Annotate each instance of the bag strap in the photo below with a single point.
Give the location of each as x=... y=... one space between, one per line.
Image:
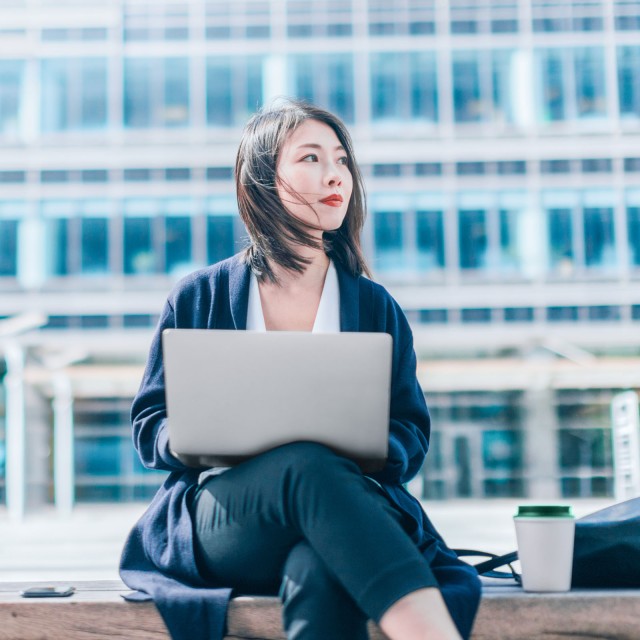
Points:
x=487 y=568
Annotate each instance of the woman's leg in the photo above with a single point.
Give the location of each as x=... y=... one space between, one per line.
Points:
x=316 y=606
x=249 y=518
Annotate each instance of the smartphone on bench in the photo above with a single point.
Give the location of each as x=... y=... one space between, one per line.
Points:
x=48 y=591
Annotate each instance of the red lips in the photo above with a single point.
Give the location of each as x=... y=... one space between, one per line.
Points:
x=334 y=200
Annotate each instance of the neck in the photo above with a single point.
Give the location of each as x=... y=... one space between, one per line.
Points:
x=313 y=274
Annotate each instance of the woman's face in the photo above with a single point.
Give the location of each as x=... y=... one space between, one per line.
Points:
x=313 y=179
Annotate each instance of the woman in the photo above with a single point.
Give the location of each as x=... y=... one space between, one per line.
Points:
x=339 y=547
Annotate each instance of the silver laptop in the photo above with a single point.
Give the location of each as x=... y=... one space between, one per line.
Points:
x=232 y=395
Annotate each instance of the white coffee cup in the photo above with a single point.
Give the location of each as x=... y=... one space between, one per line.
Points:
x=545 y=535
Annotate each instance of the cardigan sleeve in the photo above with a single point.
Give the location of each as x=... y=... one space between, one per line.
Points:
x=409 y=426
x=148 y=412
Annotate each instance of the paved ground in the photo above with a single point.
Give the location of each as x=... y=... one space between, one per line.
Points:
x=87 y=545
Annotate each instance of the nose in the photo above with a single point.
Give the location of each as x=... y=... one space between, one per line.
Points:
x=332 y=176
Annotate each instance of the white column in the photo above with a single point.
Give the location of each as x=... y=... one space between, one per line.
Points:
x=15 y=431
x=63 y=458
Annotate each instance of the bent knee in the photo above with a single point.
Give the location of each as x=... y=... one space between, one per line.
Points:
x=308 y=457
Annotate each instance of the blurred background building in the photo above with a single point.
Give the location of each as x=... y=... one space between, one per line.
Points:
x=500 y=141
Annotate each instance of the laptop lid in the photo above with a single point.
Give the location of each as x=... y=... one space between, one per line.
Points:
x=233 y=394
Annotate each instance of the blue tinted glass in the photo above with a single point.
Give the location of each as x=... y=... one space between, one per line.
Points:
x=633 y=227
x=219 y=92
x=467 y=99
x=254 y=88
x=99 y=456
x=8 y=247
x=138 y=97
x=430 y=240
x=590 y=82
x=55 y=88
x=388 y=240
x=139 y=256
x=386 y=87
x=552 y=85
x=178 y=243
x=629 y=81
x=325 y=80
x=220 y=243
x=510 y=241
x=424 y=86
x=94 y=245
x=472 y=229
x=502 y=450
x=599 y=242
x=304 y=84
x=504 y=92
x=340 y=81
x=57 y=246
x=176 y=92
x=11 y=74
x=561 y=239
x=74 y=94
x=94 y=93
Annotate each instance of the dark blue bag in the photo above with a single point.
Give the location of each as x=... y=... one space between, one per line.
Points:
x=606 y=553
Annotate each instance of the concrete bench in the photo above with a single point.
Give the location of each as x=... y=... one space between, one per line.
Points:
x=97 y=611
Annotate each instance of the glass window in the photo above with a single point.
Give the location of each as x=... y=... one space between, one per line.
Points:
x=561 y=240
x=404 y=86
x=468 y=103
x=518 y=314
x=475 y=315
x=139 y=255
x=388 y=240
x=220 y=237
x=590 y=82
x=504 y=90
x=562 y=314
x=177 y=243
x=552 y=79
x=11 y=95
x=176 y=93
x=156 y=92
x=94 y=244
x=234 y=89
x=58 y=244
x=8 y=247
x=502 y=450
x=599 y=238
x=433 y=316
x=629 y=81
x=424 y=86
x=510 y=241
x=74 y=94
x=604 y=313
x=555 y=166
x=430 y=240
x=473 y=244
x=633 y=230
x=325 y=80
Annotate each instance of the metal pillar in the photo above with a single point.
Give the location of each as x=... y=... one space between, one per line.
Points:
x=63 y=458
x=15 y=431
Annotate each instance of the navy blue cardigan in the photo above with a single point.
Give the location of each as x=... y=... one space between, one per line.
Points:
x=158 y=557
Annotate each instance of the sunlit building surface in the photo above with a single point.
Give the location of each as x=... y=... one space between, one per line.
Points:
x=501 y=147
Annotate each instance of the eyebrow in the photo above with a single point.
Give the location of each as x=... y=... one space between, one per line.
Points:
x=313 y=145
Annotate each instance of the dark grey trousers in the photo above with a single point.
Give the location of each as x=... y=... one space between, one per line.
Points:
x=304 y=522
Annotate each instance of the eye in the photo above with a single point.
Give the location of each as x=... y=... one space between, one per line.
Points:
x=312 y=157
x=344 y=160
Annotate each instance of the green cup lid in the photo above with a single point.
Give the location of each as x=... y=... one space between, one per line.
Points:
x=544 y=511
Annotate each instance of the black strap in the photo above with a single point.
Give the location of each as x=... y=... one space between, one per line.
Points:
x=487 y=568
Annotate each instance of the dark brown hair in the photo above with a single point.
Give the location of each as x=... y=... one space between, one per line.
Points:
x=273 y=231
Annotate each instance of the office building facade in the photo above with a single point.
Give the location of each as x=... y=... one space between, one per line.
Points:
x=500 y=145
